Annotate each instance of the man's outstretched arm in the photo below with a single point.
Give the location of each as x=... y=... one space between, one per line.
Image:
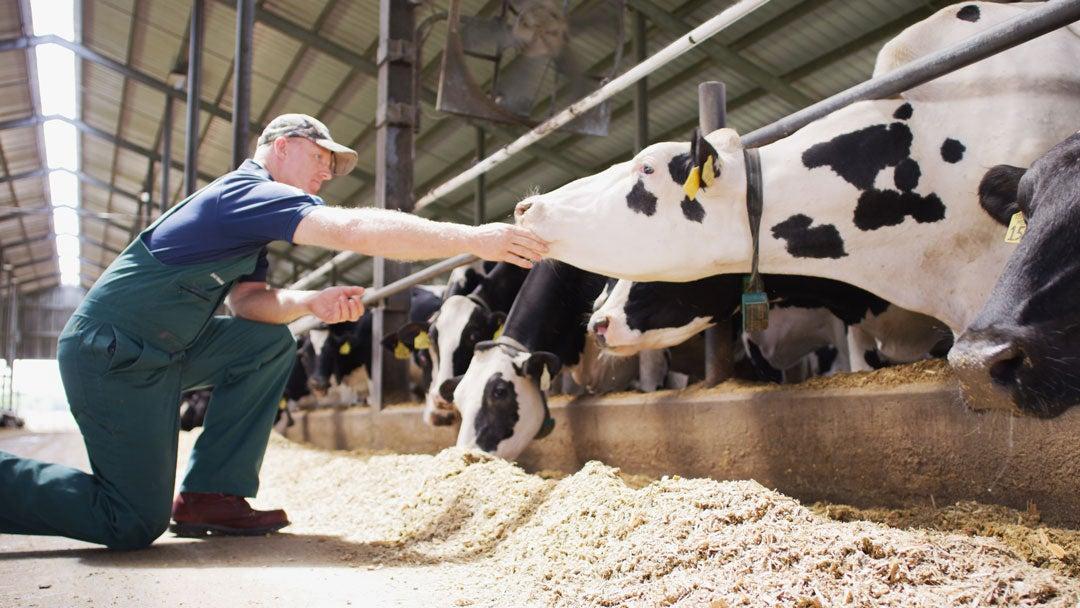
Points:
x=403 y=236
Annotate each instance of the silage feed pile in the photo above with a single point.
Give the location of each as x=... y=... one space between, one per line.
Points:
x=502 y=537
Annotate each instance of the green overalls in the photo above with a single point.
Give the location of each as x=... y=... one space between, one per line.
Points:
x=144 y=333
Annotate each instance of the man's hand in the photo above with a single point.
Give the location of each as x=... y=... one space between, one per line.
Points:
x=337 y=304
x=507 y=243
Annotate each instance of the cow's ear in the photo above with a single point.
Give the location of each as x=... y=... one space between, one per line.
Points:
x=997 y=192
x=498 y=319
x=542 y=367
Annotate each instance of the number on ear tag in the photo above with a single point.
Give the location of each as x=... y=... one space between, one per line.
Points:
x=345 y=349
x=422 y=341
x=401 y=351
x=755 y=311
x=1017 y=228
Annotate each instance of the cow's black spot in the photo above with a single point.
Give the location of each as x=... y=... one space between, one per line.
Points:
x=640 y=199
x=692 y=210
x=761 y=365
x=498 y=413
x=952 y=151
x=880 y=208
x=903 y=112
x=907 y=175
x=874 y=359
x=826 y=356
x=969 y=13
x=679 y=168
x=859 y=156
x=805 y=242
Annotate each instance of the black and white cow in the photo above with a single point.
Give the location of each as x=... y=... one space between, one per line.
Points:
x=462 y=321
x=1021 y=351
x=806 y=314
x=880 y=194
x=344 y=355
x=501 y=396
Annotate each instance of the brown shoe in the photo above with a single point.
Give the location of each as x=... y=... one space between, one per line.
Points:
x=196 y=514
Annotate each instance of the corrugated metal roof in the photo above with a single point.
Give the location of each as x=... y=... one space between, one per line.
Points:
x=800 y=41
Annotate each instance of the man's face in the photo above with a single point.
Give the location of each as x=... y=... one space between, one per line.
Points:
x=304 y=164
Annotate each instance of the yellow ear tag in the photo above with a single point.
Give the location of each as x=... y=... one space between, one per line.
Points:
x=693 y=183
x=498 y=332
x=545 y=380
x=1017 y=228
x=282 y=404
x=345 y=349
x=421 y=341
x=401 y=351
x=708 y=175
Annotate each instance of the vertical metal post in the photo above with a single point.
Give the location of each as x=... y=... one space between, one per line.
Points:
x=13 y=335
x=166 y=153
x=479 y=199
x=245 y=27
x=719 y=360
x=194 y=80
x=393 y=183
x=641 y=89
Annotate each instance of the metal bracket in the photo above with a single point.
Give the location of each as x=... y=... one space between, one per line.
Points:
x=396 y=51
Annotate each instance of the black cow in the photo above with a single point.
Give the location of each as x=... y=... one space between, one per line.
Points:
x=1021 y=350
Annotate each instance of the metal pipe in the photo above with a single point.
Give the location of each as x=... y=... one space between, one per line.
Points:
x=374 y=296
x=166 y=154
x=194 y=80
x=245 y=27
x=664 y=56
x=1018 y=30
x=719 y=359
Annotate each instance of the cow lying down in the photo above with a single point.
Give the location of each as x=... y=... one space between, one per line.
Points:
x=805 y=315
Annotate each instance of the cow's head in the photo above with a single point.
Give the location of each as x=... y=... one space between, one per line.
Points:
x=1021 y=351
x=501 y=398
x=653 y=315
x=346 y=346
x=449 y=339
x=654 y=218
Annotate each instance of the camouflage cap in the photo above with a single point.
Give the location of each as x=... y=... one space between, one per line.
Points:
x=302 y=125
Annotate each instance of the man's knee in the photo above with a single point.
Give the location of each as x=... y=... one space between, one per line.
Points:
x=132 y=533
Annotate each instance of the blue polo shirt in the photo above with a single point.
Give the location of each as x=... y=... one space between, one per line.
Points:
x=236 y=215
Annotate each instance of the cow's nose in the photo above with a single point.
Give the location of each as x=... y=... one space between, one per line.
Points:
x=600 y=326
x=446 y=389
x=989 y=368
x=522 y=207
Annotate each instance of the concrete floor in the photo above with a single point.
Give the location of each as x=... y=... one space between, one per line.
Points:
x=279 y=570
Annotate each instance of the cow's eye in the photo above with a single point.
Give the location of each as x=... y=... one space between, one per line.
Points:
x=647 y=169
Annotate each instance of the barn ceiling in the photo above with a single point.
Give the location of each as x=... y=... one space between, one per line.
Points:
x=317 y=57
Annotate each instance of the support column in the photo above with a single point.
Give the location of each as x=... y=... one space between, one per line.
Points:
x=245 y=29
x=719 y=359
x=166 y=154
x=393 y=184
x=480 y=196
x=194 y=81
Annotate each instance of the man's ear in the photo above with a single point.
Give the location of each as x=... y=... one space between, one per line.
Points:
x=280 y=146
x=997 y=192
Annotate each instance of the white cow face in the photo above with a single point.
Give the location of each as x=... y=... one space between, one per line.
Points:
x=650 y=228
x=628 y=323
x=455 y=330
x=500 y=399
